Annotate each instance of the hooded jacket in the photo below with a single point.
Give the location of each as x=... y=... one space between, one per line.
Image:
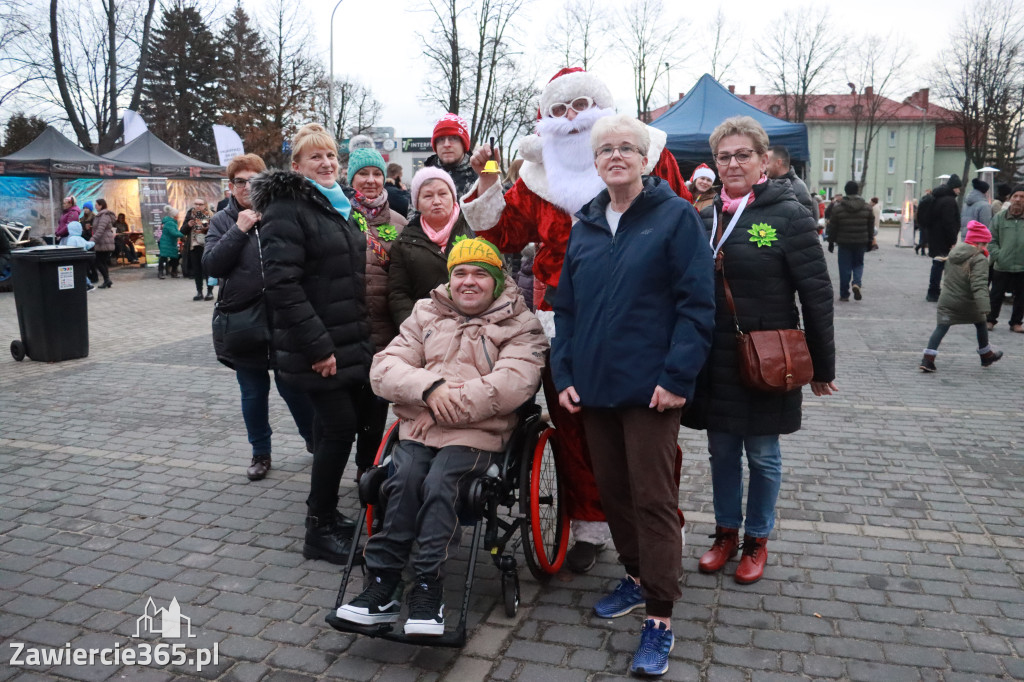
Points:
x=851 y=223
x=964 y=298
x=765 y=282
x=169 y=236
x=943 y=221
x=976 y=207
x=635 y=310
x=69 y=214
x=492 y=363
x=462 y=172
x=74 y=237
x=314 y=266
x=103 y=230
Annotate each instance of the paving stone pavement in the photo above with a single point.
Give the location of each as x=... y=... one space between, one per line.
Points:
x=898 y=552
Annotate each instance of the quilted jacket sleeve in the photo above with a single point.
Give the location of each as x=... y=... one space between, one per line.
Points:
x=806 y=263
x=397 y=372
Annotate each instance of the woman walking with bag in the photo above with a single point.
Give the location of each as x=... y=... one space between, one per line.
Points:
x=766 y=245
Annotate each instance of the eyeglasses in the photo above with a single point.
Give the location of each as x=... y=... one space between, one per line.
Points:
x=624 y=150
x=743 y=157
x=240 y=182
x=579 y=105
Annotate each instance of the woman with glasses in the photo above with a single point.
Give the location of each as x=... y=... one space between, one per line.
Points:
x=766 y=245
x=634 y=313
x=195 y=227
x=233 y=254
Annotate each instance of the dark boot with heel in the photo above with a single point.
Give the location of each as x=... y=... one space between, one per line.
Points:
x=991 y=357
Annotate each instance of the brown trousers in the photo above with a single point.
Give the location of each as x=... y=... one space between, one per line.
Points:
x=633 y=452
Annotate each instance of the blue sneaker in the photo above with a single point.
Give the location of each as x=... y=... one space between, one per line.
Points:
x=651 y=657
x=626 y=597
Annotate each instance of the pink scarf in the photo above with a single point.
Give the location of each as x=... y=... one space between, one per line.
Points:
x=440 y=237
x=730 y=205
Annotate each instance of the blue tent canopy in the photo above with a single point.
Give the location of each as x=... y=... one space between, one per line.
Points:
x=690 y=121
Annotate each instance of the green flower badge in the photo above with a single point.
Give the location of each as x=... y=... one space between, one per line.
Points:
x=387 y=233
x=360 y=220
x=762 y=234
x=459 y=239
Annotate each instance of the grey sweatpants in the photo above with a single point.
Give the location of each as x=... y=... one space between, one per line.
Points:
x=424 y=494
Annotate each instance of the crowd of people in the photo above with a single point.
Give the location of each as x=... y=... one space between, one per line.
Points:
x=365 y=306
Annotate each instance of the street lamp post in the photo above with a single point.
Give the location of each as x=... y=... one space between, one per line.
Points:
x=330 y=83
x=668 y=82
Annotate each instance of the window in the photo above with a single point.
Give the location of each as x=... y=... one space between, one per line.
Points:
x=828 y=165
x=892 y=165
x=892 y=138
x=830 y=109
x=775 y=109
x=888 y=195
x=858 y=170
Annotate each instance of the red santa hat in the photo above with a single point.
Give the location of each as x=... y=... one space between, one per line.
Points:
x=703 y=171
x=570 y=83
x=451 y=124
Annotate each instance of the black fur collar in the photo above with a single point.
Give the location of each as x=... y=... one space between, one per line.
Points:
x=275 y=184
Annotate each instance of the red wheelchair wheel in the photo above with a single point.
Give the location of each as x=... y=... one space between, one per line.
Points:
x=546 y=539
x=387 y=442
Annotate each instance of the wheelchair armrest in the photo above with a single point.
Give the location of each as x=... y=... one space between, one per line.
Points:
x=370 y=484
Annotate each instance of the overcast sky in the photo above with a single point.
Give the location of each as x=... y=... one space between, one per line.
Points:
x=376 y=42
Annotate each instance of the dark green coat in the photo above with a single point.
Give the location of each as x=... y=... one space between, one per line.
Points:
x=418 y=266
x=964 y=297
x=1007 y=247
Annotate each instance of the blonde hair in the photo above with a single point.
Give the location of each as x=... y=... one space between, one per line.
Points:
x=740 y=125
x=621 y=123
x=312 y=135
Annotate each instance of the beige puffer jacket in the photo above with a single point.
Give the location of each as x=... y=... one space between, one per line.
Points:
x=378 y=260
x=491 y=363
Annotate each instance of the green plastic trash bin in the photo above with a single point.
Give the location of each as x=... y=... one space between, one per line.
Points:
x=50 y=297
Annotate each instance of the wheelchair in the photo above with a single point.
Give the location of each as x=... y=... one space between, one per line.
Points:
x=524 y=482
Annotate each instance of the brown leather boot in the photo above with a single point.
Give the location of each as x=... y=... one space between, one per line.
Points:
x=727 y=540
x=755 y=556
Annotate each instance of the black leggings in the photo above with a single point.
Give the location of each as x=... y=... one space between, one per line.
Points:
x=103 y=264
x=334 y=429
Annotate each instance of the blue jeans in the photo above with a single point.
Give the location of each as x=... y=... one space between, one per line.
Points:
x=255 y=387
x=764 y=460
x=851 y=261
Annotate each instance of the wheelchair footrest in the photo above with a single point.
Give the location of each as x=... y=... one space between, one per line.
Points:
x=451 y=638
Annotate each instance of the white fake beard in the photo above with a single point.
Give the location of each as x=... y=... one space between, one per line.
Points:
x=569 y=159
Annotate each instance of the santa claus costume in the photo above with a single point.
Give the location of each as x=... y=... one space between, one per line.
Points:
x=556 y=179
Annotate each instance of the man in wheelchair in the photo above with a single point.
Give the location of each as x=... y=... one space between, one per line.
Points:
x=466 y=358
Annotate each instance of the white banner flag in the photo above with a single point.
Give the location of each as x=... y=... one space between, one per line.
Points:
x=229 y=144
x=134 y=125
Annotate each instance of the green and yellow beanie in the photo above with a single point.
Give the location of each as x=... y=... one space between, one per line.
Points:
x=481 y=253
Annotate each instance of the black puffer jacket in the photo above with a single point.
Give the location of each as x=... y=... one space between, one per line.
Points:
x=852 y=223
x=943 y=222
x=314 y=263
x=764 y=281
x=233 y=257
x=462 y=173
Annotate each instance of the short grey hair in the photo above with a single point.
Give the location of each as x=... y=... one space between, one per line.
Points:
x=622 y=123
x=740 y=125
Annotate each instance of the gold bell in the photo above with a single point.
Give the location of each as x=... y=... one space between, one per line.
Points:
x=491 y=167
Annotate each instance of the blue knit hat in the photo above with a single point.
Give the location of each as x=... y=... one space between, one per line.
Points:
x=88 y=205
x=361 y=158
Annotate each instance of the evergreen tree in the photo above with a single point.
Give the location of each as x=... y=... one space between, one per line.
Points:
x=181 y=90
x=19 y=131
x=245 y=68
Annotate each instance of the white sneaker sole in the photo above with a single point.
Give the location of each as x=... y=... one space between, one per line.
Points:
x=424 y=628
x=362 y=618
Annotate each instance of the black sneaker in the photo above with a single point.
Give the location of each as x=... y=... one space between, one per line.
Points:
x=426 y=609
x=380 y=602
x=582 y=556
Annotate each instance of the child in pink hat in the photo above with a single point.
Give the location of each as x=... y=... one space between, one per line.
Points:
x=964 y=298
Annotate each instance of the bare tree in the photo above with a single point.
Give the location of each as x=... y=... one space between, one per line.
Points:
x=514 y=115
x=356 y=110
x=723 y=40
x=982 y=77
x=96 y=59
x=650 y=48
x=579 y=33
x=876 y=64
x=295 y=75
x=445 y=54
x=798 y=57
x=16 y=26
